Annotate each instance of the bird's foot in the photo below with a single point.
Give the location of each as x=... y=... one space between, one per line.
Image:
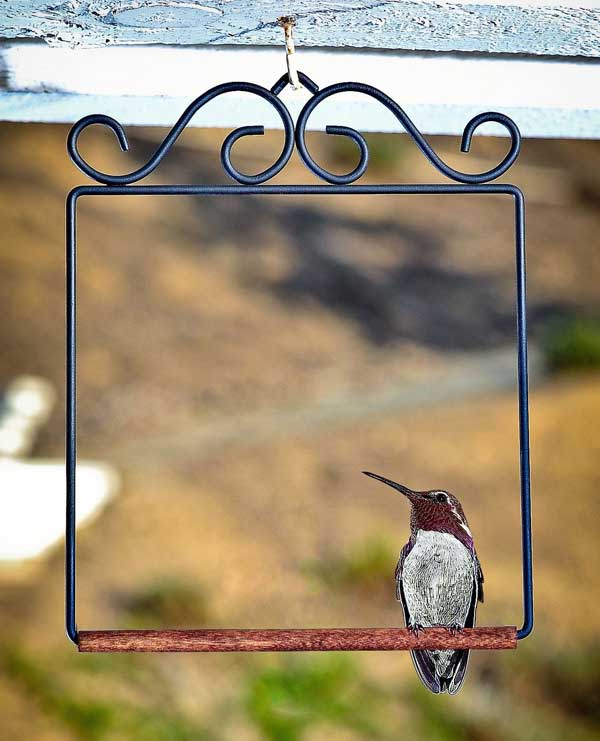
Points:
x=454 y=628
x=415 y=629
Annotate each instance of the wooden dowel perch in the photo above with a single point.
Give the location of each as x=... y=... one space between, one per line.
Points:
x=333 y=639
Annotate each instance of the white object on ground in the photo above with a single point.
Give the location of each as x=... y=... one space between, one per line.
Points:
x=25 y=406
x=32 y=503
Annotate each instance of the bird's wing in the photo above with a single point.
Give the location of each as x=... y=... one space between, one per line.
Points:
x=398 y=575
x=480 y=578
x=399 y=566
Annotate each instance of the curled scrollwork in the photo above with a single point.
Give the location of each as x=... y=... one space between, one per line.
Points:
x=411 y=129
x=298 y=135
x=169 y=140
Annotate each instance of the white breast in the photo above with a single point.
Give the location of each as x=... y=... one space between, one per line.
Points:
x=438 y=579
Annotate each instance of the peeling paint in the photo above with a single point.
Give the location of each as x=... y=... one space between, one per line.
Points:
x=569 y=28
x=156 y=16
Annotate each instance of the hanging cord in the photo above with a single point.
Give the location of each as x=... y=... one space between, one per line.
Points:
x=287 y=22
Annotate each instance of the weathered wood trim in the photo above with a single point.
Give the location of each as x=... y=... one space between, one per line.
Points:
x=567 y=28
x=440 y=92
x=334 y=639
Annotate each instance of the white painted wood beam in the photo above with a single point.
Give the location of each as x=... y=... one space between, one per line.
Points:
x=563 y=28
x=152 y=86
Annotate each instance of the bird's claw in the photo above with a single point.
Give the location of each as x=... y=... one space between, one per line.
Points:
x=415 y=629
x=454 y=629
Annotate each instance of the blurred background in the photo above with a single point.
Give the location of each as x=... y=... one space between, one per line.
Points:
x=241 y=360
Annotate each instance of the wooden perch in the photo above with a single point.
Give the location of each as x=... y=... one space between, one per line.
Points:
x=316 y=639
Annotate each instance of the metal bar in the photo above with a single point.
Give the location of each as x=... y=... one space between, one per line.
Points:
x=522 y=370
x=316 y=639
x=71 y=414
x=298 y=190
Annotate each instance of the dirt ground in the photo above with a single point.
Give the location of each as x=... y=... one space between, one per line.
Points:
x=230 y=354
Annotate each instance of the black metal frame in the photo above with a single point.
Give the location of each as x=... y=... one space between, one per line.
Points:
x=465 y=183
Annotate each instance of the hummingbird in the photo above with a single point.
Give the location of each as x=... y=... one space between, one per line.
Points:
x=438 y=581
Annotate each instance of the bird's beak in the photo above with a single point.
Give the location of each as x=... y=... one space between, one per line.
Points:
x=399 y=487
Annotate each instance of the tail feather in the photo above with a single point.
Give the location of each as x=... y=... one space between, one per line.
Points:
x=425 y=668
x=459 y=671
x=441 y=676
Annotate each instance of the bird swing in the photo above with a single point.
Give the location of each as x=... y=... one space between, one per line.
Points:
x=127 y=185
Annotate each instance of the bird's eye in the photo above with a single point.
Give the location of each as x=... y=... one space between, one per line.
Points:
x=441 y=497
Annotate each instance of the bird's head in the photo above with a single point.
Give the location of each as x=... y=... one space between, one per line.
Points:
x=436 y=509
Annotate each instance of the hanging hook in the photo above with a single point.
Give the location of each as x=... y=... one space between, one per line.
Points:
x=287 y=22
